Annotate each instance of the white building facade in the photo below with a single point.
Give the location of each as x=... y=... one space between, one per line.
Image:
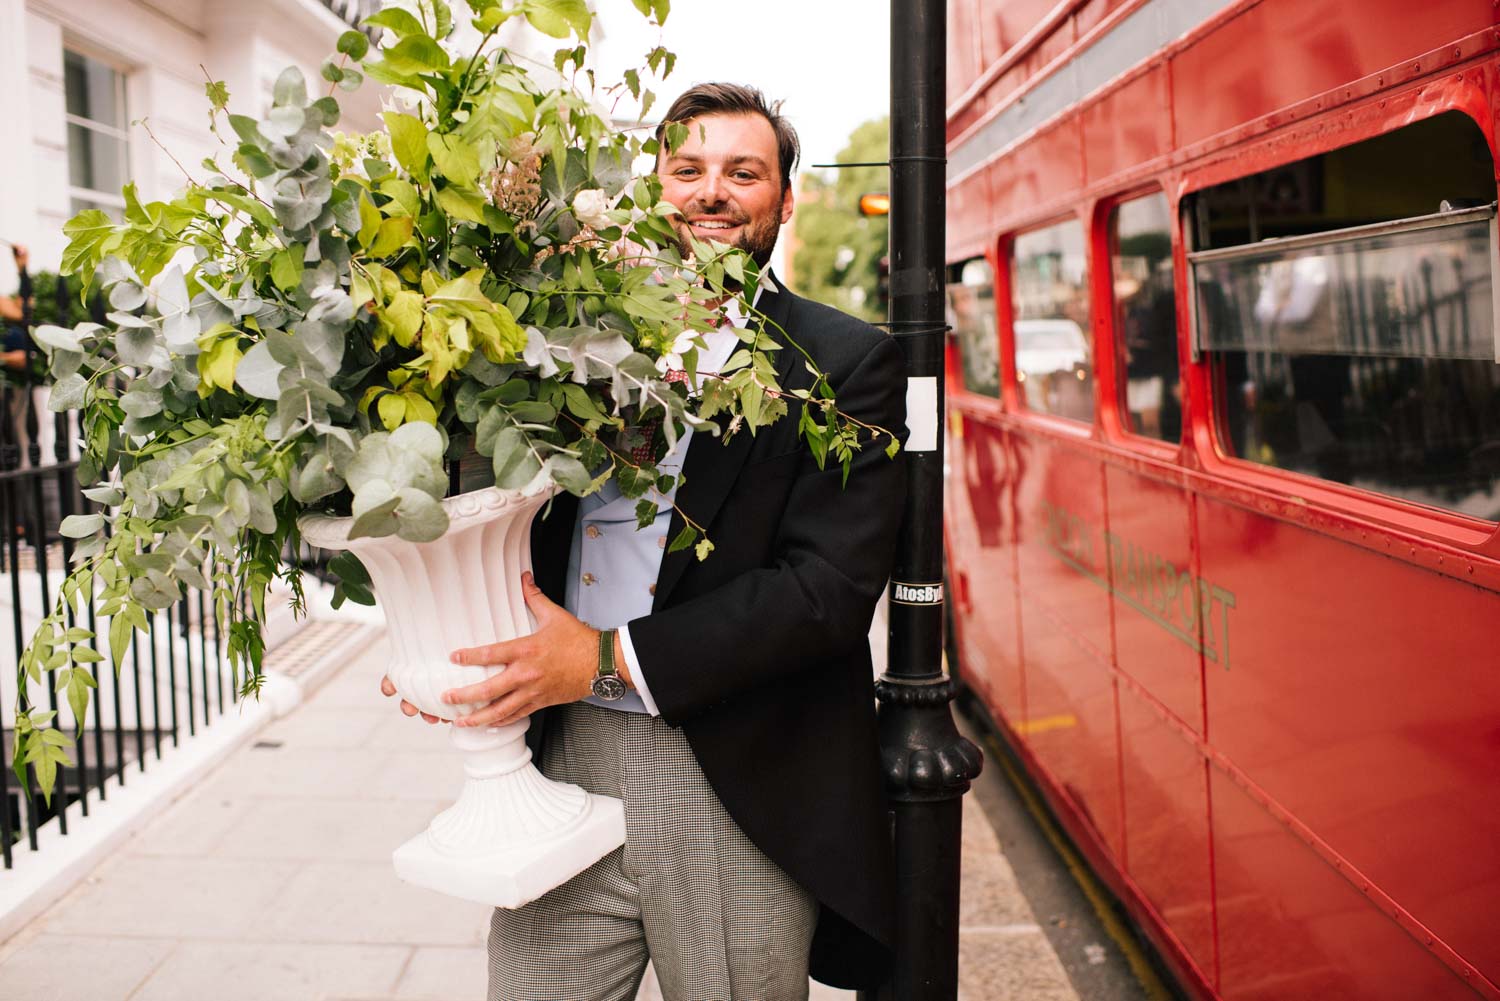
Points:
x=78 y=73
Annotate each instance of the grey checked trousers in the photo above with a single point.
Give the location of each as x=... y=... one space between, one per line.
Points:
x=687 y=890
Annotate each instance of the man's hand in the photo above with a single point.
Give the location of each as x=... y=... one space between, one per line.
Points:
x=554 y=665
x=388 y=688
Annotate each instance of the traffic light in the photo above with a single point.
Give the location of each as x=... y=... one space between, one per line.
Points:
x=875 y=203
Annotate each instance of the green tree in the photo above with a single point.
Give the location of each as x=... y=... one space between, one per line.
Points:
x=838 y=250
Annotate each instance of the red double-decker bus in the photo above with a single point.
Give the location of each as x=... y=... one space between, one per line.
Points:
x=1224 y=450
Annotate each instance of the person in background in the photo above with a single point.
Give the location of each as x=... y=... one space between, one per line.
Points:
x=15 y=310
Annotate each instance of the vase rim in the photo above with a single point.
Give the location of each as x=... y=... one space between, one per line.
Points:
x=328 y=531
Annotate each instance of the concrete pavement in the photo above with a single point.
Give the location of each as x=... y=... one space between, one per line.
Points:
x=271 y=881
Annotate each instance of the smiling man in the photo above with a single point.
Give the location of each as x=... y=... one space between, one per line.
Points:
x=742 y=740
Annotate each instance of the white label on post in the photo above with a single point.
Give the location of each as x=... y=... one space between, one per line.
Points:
x=922 y=413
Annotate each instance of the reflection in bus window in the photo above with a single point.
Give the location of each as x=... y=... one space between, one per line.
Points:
x=1054 y=363
x=1369 y=361
x=971 y=314
x=1146 y=316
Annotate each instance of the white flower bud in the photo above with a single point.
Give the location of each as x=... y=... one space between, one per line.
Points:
x=591 y=206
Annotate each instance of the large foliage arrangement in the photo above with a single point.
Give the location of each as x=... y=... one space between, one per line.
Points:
x=324 y=321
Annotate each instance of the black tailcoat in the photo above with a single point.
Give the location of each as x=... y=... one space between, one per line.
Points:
x=760 y=654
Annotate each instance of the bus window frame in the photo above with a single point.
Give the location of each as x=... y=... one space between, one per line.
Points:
x=953 y=362
x=1117 y=422
x=1290 y=487
x=1010 y=388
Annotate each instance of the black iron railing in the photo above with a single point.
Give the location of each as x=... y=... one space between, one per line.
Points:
x=170 y=683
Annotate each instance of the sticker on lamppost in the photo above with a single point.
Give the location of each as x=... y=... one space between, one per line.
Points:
x=916 y=594
x=922 y=413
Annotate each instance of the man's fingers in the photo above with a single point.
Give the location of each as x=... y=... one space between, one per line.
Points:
x=387 y=687
x=496 y=686
x=541 y=606
x=490 y=653
x=500 y=711
x=408 y=708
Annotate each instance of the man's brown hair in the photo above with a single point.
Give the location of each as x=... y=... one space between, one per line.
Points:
x=736 y=99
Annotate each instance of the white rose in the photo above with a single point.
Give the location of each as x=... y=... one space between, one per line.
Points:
x=590 y=207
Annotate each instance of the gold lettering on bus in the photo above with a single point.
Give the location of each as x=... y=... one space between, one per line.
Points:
x=1193 y=609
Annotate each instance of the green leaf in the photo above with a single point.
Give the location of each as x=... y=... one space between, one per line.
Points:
x=290 y=88
x=417 y=54
x=645 y=513
x=81 y=526
x=516 y=464
x=455 y=159
x=556 y=17
x=460 y=204
x=218 y=94
x=392 y=235
x=684 y=539
x=286 y=267
x=354 y=44
x=408 y=142
x=397 y=20
x=702 y=550
x=79 y=683
x=369 y=221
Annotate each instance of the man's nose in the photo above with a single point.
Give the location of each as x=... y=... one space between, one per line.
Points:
x=712 y=190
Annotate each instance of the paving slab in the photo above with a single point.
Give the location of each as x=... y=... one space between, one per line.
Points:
x=270 y=880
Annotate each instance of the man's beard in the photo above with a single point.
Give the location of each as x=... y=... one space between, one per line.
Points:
x=757 y=239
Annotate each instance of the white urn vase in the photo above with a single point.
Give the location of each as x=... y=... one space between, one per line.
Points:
x=513 y=834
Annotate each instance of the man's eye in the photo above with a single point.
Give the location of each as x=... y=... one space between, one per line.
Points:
x=685 y=172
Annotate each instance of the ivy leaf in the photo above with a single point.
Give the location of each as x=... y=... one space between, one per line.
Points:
x=218 y=95
x=702 y=550
x=683 y=539
x=645 y=513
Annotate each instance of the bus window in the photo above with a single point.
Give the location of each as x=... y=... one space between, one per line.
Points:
x=1150 y=389
x=1365 y=354
x=1054 y=361
x=971 y=314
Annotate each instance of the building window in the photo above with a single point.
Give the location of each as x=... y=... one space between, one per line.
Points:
x=1050 y=296
x=1351 y=340
x=95 y=105
x=1140 y=238
x=971 y=313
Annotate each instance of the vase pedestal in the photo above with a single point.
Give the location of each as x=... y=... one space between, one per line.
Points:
x=513 y=834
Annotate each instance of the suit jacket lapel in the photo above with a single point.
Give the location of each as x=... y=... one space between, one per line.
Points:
x=712 y=464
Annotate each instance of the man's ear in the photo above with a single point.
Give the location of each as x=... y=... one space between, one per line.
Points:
x=786 y=204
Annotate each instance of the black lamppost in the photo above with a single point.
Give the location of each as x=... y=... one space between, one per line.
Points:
x=928 y=765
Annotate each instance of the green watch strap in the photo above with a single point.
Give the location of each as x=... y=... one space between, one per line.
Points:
x=606 y=652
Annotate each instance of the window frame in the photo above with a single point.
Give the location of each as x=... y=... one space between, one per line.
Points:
x=1346 y=503
x=1011 y=391
x=94 y=197
x=1118 y=421
x=959 y=382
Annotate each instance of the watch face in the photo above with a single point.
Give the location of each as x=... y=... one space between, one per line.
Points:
x=609 y=687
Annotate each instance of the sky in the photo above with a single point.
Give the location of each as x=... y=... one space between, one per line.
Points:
x=828 y=60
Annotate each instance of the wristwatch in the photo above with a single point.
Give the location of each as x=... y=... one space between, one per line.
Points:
x=607 y=684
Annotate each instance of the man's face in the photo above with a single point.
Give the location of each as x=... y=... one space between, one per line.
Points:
x=726 y=179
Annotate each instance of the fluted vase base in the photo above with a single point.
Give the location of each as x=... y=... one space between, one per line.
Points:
x=513 y=834
x=517 y=874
